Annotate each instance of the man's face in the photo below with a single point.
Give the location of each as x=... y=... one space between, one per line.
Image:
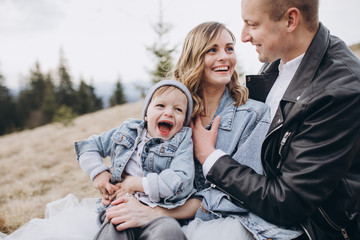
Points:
x=268 y=36
x=166 y=114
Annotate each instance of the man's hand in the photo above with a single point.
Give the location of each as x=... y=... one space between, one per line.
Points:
x=204 y=140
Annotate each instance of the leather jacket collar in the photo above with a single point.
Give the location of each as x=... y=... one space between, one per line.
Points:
x=260 y=85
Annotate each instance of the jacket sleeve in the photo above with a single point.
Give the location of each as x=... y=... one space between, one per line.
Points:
x=92 y=164
x=251 y=137
x=96 y=143
x=91 y=151
x=178 y=177
x=321 y=151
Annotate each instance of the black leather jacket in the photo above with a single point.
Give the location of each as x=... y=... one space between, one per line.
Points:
x=311 y=154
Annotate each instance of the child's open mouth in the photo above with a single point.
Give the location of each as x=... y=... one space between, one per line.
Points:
x=165 y=127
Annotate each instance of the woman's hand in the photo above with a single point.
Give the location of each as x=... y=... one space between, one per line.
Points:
x=204 y=140
x=128 y=212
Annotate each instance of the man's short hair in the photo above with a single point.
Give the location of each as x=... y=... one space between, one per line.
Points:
x=309 y=9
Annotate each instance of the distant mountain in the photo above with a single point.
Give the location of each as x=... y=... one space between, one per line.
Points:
x=131 y=90
x=104 y=90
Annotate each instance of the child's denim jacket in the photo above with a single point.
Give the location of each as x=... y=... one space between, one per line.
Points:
x=170 y=160
x=241 y=132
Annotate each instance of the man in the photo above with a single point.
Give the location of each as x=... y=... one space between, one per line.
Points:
x=311 y=154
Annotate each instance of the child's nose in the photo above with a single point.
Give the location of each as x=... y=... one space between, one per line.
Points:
x=168 y=112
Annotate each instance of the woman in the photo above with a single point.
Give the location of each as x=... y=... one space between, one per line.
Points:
x=207 y=67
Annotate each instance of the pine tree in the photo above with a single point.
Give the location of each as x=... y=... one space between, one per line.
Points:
x=65 y=93
x=160 y=50
x=31 y=98
x=49 y=104
x=8 y=117
x=87 y=101
x=37 y=87
x=118 y=96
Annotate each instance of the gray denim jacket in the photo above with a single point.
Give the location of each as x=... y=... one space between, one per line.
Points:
x=241 y=133
x=170 y=160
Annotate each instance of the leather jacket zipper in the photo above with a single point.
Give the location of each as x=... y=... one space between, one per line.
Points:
x=282 y=143
x=305 y=231
x=267 y=135
x=333 y=225
x=215 y=186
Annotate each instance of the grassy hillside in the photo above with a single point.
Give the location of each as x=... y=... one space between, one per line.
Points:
x=39 y=166
x=356 y=49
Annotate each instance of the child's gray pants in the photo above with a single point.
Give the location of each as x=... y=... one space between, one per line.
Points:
x=161 y=228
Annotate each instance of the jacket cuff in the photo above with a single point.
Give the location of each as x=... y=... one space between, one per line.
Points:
x=211 y=160
x=98 y=170
x=153 y=187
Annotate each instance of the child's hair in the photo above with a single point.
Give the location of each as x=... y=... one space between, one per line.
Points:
x=164 y=89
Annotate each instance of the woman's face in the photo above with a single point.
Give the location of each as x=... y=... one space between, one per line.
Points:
x=219 y=61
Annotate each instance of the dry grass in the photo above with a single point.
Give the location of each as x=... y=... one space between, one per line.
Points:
x=356 y=49
x=39 y=166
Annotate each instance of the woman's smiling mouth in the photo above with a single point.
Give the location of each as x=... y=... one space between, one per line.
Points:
x=221 y=69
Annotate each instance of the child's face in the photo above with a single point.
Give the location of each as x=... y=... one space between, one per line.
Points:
x=166 y=113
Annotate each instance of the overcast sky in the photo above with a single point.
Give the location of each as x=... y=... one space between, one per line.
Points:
x=103 y=40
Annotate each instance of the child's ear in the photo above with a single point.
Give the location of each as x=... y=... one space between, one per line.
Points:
x=145 y=118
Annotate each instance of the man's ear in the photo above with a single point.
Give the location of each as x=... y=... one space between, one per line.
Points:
x=293 y=18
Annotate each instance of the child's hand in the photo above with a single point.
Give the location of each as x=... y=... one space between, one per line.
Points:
x=129 y=185
x=102 y=183
x=117 y=194
x=106 y=201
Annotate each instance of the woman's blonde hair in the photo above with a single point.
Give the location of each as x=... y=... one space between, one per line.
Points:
x=190 y=66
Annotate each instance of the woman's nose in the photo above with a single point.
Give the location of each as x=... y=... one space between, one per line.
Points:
x=222 y=55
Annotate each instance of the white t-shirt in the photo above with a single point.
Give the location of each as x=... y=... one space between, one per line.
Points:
x=286 y=73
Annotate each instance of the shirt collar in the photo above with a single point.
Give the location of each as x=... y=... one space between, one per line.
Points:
x=290 y=66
